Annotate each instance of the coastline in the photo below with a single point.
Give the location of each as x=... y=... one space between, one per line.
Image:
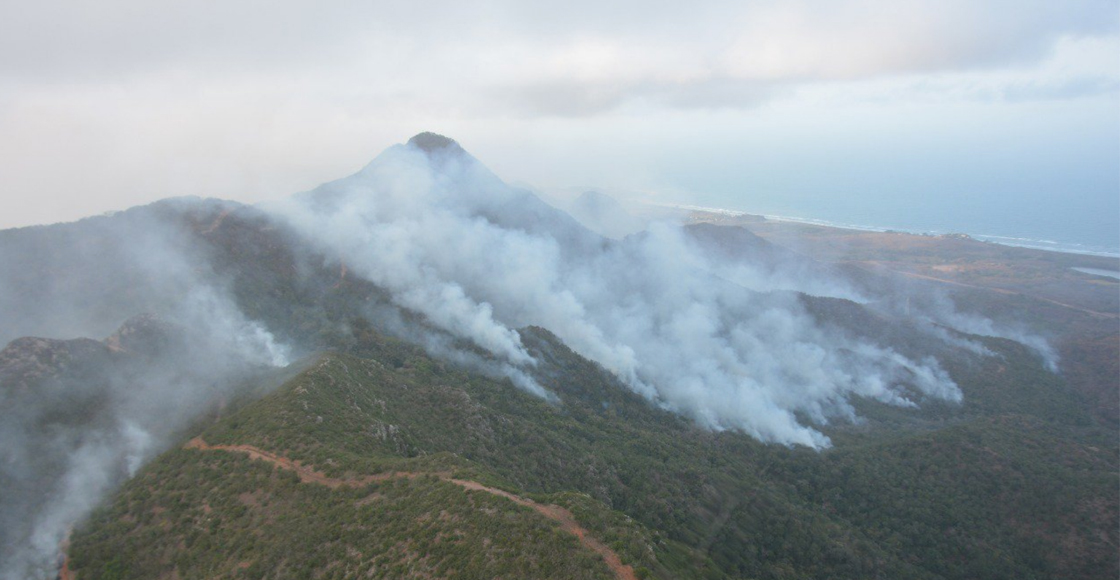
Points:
x=1015 y=242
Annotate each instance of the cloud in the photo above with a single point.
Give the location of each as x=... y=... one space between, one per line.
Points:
x=247 y=100
x=640 y=49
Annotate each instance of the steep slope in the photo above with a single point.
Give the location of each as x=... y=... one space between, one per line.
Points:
x=269 y=523
x=78 y=417
x=430 y=515
x=703 y=504
x=54 y=395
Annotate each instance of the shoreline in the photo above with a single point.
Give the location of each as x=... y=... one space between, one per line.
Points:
x=1027 y=243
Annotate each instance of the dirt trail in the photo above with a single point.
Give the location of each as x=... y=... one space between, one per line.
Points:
x=308 y=475
x=564 y=517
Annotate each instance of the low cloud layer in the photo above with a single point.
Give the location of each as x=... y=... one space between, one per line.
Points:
x=634 y=44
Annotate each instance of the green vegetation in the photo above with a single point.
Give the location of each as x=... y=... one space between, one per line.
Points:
x=221 y=515
x=1016 y=483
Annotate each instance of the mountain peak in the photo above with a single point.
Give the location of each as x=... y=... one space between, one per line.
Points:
x=432 y=142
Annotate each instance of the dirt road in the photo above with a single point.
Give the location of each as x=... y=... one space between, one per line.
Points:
x=308 y=475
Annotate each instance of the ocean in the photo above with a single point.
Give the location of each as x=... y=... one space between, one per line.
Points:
x=1057 y=235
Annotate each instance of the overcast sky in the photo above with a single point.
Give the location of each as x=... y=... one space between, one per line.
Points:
x=766 y=106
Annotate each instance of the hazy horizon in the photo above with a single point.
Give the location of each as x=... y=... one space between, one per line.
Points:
x=991 y=118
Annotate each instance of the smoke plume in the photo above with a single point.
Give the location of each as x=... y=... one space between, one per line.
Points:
x=479 y=259
x=727 y=342
x=79 y=416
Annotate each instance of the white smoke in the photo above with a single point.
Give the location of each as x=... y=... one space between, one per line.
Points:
x=940 y=313
x=449 y=240
x=209 y=312
x=725 y=343
x=68 y=442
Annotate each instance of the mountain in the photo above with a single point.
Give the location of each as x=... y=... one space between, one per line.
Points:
x=451 y=179
x=420 y=371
